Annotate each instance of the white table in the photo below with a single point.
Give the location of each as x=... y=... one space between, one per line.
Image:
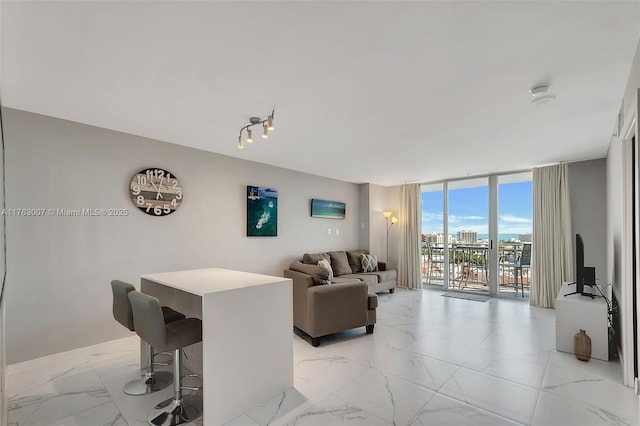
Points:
x=577 y=312
x=246 y=354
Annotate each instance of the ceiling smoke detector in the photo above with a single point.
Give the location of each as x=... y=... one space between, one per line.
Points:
x=540 y=95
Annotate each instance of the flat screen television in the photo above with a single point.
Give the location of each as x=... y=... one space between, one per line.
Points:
x=580 y=272
x=579 y=264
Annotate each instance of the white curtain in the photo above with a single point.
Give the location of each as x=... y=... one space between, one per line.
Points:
x=409 y=270
x=552 y=257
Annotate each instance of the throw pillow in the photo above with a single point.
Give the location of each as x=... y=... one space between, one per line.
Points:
x=369 y=263
x=339 y=263
x=318 y=274
x=326 y=265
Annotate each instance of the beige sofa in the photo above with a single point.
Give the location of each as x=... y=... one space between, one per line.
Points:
x=347 y=266
x=322 y=306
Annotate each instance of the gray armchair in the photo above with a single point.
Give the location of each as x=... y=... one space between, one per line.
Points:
x=319 y=310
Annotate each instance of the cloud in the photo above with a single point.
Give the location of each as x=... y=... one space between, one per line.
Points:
x=514 y=219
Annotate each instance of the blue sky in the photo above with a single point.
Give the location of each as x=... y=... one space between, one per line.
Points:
x=469 y=209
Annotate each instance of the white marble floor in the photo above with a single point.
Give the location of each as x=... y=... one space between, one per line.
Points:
x=432 y=360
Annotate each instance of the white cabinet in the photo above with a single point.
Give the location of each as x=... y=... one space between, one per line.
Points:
x=577 y=312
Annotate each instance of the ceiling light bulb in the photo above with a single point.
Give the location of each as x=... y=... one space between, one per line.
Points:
x=249 y=136
x=240 y=143
x=265 y=132
x=270 y=125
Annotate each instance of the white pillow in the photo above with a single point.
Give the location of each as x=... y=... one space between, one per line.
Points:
x=369 y=262
x=324 y=263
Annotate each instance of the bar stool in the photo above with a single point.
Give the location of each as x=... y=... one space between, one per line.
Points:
x=151 y=381
x=147 y=317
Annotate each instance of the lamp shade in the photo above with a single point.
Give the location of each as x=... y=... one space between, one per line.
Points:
x=387 y=214
x=394 y=220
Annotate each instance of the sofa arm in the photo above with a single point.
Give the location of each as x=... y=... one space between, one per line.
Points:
x=301 y=283
x=336 y=307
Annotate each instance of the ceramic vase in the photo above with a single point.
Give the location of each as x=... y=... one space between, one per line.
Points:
x=582 y=346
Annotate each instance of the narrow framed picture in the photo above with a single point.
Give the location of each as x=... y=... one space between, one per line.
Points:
x=262 y=212
x=328 y=209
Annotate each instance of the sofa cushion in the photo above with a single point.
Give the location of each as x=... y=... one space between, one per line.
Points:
x=339 y=263
x=372 y=301
x=343 y=280
x=354 y=260
x=318 y=274
x=369 y=278
x=382 y=276
x=369 y=263
x=312 y=258
x=326 y=265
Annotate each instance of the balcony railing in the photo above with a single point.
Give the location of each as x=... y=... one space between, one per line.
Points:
x=468 y=266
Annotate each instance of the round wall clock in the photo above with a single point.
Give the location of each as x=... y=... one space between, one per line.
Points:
x=156 y=191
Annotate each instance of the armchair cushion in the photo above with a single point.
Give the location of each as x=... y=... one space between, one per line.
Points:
x=372 y=301
x=339 y=263
x=318 y=274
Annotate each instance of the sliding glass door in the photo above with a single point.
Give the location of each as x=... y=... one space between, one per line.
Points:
x=468 y=226
x=515 y=207
x=477 y=234
x=433 y=235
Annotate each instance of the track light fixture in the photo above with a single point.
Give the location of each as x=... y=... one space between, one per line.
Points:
x=267 y=125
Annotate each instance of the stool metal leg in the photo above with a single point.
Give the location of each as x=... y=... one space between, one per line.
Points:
x=177 y=412
x=151 y=381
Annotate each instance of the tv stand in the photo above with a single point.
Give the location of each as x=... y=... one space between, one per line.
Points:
x=582 y=294
x=575 y=313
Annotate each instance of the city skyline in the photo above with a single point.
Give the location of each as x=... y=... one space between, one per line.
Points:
x=469 y=209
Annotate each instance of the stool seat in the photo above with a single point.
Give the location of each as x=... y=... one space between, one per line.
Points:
x=170 y=315
x=183 y=333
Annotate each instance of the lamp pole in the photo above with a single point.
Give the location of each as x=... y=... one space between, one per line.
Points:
x=387 y=215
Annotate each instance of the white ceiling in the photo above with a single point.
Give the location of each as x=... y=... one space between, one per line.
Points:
x=381 y=92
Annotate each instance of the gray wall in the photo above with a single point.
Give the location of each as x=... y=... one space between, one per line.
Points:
x=59 y=268
x=588 y=195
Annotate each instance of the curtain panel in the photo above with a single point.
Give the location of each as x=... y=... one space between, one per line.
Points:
x=410 y=220
x=552 y=256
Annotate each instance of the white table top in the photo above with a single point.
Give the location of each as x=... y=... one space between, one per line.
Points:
x=211 y=280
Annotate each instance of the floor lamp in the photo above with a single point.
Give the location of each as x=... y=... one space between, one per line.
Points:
x=388 y=215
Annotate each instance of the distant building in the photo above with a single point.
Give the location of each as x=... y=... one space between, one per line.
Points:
x=440 y=239
x=468 y=236
x=525 y=238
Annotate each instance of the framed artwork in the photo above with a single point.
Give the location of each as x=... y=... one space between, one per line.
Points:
x=262 y=212
x=328 y=209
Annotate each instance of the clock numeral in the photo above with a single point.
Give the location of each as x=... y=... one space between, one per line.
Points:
x=140 y=200
x=174 y=203
x=175 y=183
x=157 y=210
x=136 y=190
x=179 y=195
x=167 y=209
x=142 y=180
x=159 y=173
x=149 y=205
